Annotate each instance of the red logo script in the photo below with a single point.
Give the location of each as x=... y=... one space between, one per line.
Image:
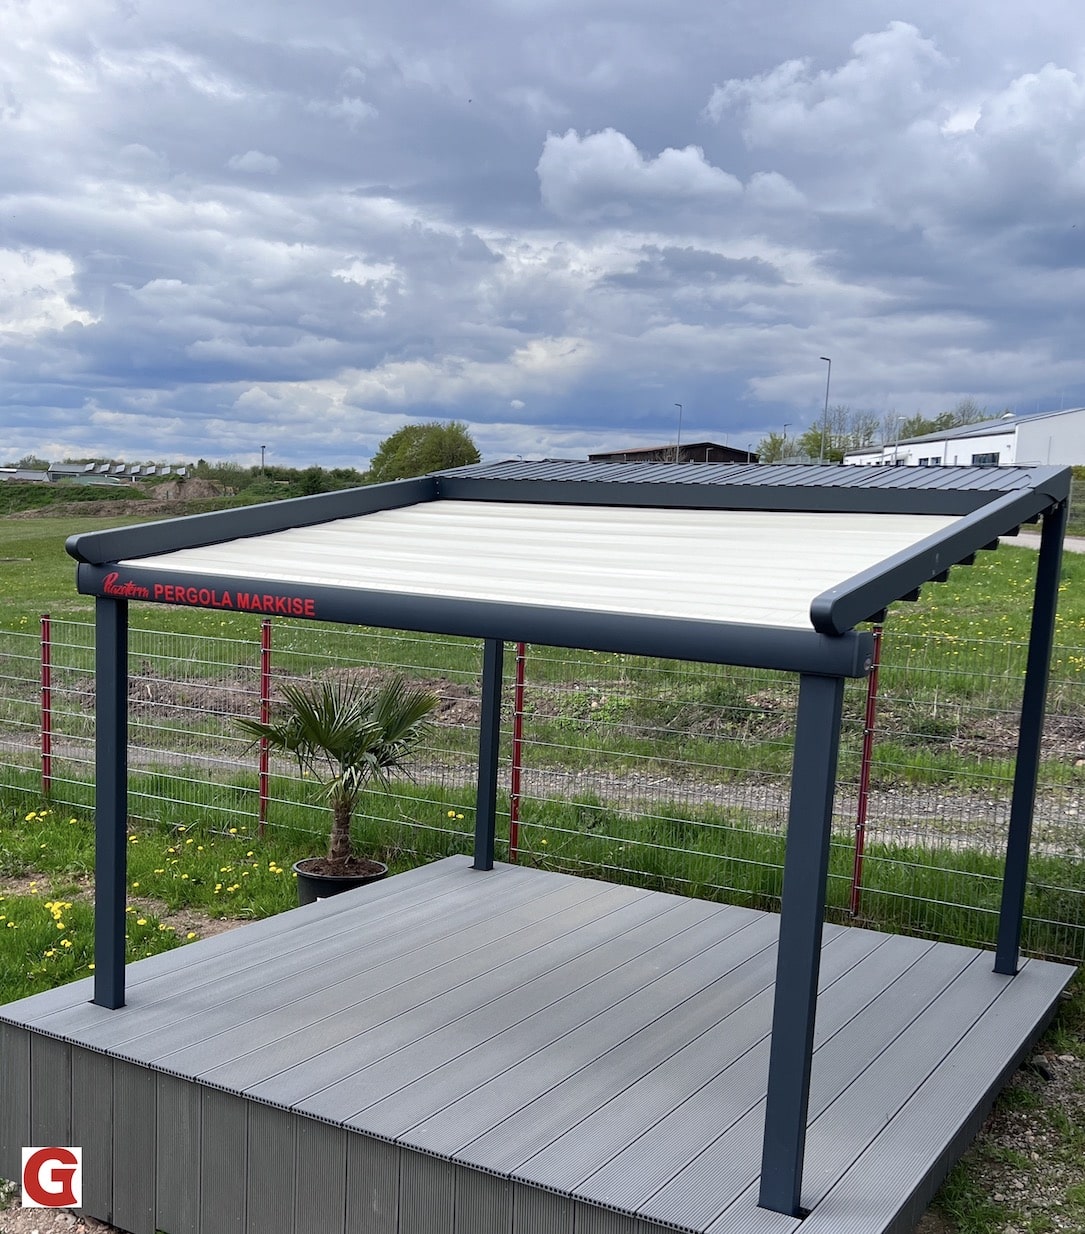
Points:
x=52 y=1177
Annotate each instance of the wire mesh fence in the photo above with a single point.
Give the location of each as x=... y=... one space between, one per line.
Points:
x=673 y=774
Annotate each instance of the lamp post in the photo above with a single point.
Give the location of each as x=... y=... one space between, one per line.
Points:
x=262 y=449
x=896 y=437
x=783 y=447
x=678 y=444
x=825 y=419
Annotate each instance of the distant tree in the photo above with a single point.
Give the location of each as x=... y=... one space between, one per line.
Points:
x=312 y=481
x=774 y=447
x=966 y=411
x=31 y=462
x=417 y=449
x=346 y=477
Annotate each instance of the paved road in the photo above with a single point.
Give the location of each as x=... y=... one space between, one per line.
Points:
x=1031 y=539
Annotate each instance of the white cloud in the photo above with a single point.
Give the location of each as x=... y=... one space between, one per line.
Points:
x=36 y=293
x=256 y=162
x=883 y=84
x=351 y=109
x=605 y=175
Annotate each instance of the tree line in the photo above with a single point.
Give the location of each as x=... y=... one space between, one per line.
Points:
x=846 y=429
x=412 y=450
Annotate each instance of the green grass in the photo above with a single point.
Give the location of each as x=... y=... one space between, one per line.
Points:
x=16 y=498
x=187 y=855
x=1054 y=1173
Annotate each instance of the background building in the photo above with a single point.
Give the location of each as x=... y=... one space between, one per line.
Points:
x=691 y=452
x=1053 y=437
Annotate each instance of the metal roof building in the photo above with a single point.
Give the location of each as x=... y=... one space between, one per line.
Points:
x=1054 y=437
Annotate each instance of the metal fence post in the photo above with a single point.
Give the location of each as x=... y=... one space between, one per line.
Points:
x=864 y=772
x=265 y=718
x=517 y=753
x=46 y=706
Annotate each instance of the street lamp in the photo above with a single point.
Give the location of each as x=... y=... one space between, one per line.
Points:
x=678 y=444
x=825 y=421
x=898 y=421
x=262 y=449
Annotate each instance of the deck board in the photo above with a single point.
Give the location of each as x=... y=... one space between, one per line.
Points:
x=527 y=1049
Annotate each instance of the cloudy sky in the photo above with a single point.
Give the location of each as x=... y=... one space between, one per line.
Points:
x=304 y=225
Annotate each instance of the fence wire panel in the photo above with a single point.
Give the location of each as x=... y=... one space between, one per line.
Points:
x=20 y=710
x=187 y=756
x=941 y=787
x=672 y=774
x=427 y=813
x=667 y=771
x=72 y=665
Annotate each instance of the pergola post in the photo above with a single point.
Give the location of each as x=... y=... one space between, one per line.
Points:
x=110 y=799
x=489 y=742
x=1029 y=737
x=798 y=962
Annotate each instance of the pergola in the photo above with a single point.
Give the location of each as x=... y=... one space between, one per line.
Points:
x=765 y=566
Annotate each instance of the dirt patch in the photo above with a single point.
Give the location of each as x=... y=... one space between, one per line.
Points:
x=14 y=1219
x=182 y=921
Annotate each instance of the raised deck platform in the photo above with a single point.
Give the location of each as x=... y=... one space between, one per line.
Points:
x=452 y=1050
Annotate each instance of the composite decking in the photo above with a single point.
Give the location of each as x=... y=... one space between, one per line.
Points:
x=510 y=1050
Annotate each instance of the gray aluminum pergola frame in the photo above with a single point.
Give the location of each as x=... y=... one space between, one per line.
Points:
x=989 y=503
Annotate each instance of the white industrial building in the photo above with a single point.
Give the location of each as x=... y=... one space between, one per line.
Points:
x=1051 y=437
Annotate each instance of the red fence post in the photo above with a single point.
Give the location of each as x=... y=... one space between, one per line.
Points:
x=864 y=772
x=46 y=706
x=265 y=717
x=517 y=753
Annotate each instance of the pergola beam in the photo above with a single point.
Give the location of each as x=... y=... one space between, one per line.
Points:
x=1029 y=738
x=110 y=799
x=489 y=744
x=798 y=962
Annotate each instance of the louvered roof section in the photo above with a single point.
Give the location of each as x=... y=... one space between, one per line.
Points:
x=753 y=567
x=696 y=561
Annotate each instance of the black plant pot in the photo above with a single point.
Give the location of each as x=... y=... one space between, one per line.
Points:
x=313 y=887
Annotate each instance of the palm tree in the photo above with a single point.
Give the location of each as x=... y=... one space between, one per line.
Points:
x=346 y=734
